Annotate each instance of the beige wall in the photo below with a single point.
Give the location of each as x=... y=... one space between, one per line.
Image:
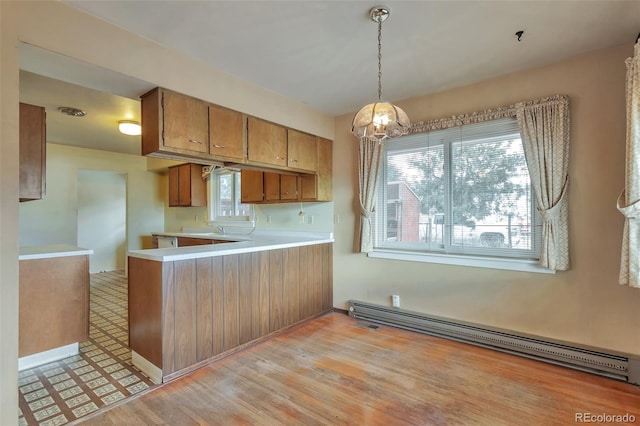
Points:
x=283 y=217
x=54 y=220
x=56 y=26
x=8 y=220
x=584 y=305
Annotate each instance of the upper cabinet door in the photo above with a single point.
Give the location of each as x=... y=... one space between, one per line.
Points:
x=251 y=186
x=271 y=186
x=302 y=151
x=288 y=187
x=174 y=186
x=227 y=134
x=319 y=187
x=32 y=152
x=186 y=187
x=186 y=122
x=267 y=143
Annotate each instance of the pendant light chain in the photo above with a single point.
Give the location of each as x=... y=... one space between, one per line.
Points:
x=379 y=120
x=379 y=58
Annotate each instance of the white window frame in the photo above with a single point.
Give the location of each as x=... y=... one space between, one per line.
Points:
x=451 y=254
x=213 y=193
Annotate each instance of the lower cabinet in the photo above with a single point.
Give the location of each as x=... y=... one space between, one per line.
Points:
x=53 y=303
x=182 y=314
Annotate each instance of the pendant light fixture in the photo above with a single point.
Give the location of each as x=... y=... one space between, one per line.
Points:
x=381 y=119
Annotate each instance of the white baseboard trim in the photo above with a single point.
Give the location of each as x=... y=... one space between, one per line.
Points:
x=144 y=365
x=45 y=357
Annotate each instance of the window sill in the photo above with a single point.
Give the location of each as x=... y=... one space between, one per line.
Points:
x=459 y=260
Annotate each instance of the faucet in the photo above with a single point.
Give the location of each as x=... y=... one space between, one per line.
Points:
x=221 y=229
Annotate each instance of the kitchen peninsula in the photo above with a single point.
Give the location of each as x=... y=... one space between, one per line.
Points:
x=189 y=306
x=54 y=302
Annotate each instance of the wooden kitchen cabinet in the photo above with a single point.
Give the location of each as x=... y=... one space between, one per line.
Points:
x=279 y=187
x=288 y=188
x=271 y=186
x=268 y=187
x=174 y=125
x=53 y=303
x=302 y=151
x=181 y=127
x=251 y=186
x=32 y=152
x=185 y=314
x=319 y=187
x=186 y=186
x=266 y=143
x=227 y=134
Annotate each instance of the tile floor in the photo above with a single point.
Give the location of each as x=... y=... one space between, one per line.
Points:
x=102 y=374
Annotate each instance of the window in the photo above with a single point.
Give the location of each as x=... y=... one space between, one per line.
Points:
x=224 y=197
x=459 y=191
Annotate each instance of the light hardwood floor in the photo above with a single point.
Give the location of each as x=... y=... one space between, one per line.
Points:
x=335 y=370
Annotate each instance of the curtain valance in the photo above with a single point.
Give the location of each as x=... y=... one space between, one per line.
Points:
x=485 y=115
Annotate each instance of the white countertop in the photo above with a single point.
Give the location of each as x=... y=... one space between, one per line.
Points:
x=257 y=241
x=205 y=235
x=53 y=250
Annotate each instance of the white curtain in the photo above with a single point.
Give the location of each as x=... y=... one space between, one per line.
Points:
x=544 y=127
x=369 y=165
x=629 y=199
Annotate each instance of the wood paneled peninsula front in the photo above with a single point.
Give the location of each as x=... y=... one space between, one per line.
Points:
x=54 y=302
x=189 y=306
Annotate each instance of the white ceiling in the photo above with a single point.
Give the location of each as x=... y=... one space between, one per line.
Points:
x=97 y=130
x=323 y=53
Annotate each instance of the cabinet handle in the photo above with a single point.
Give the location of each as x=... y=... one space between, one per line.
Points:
x=218 y=146
x=293 y=160
x=195 y=141
x=279 y=158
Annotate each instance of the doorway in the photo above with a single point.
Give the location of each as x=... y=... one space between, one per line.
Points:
x=102 y=218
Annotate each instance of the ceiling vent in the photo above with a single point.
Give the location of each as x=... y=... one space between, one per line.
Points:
x=75 y=112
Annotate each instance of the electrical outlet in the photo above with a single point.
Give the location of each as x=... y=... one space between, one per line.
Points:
x=269 y=219
x=395 y=301
x=310 y=220
x=336 y=218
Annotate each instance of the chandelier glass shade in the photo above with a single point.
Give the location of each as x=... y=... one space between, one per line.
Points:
x=380 y=120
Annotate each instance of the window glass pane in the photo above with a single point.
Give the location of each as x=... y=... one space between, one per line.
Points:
x=415 y=196
x=225 y=187
x=462 y=190
x=491 y=194
x=228 y=194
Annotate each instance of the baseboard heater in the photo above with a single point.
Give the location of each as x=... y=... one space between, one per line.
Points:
x=616 y=365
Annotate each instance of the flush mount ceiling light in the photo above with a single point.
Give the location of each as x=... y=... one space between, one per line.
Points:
x=74 y=112
x=129 y=127
x=381 y=119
